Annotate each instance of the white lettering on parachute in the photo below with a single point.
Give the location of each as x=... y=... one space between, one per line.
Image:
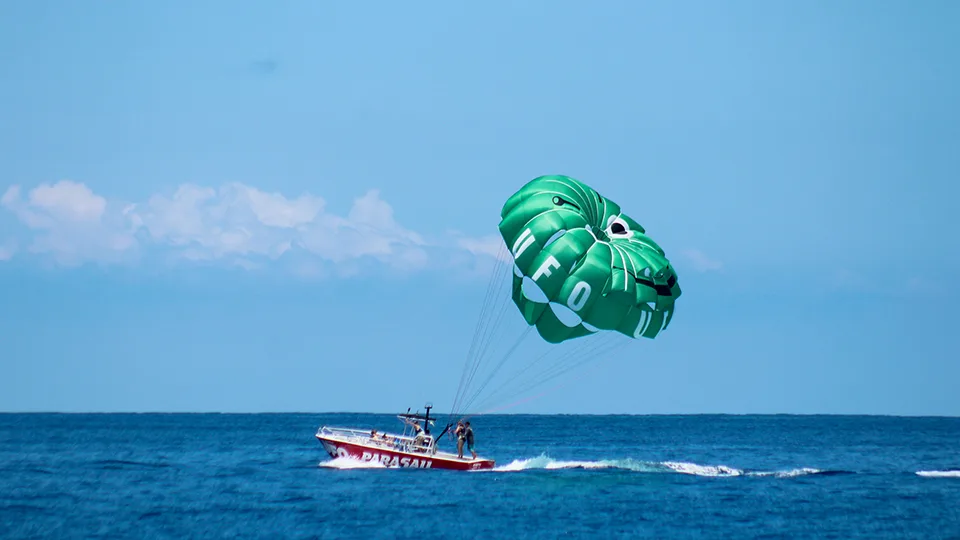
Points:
x=544 y=269
x=642 y=324
x=523 y=242
x=580 y=292
x=576 y=302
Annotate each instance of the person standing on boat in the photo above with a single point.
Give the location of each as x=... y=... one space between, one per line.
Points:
x=468 y=434
x=461 y=437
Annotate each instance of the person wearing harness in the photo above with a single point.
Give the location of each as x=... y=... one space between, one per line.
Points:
x=461 y=438
x=468 y=434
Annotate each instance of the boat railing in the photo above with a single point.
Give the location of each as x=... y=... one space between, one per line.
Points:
x=384 y=439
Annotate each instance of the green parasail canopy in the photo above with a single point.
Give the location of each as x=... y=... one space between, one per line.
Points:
x=582 y=266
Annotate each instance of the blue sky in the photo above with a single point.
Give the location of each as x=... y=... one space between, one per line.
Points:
x=225 y=206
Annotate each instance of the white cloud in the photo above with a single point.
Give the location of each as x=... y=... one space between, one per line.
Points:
x=491 y=245
x=234 y=223
x=235 y=220
x=239 y=225
x=701 y=262
x=71 y=223
x=274 y=210
x=68 y=201
x=368 y=230
x=8 y=250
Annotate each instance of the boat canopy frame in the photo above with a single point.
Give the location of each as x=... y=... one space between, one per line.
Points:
x=407 y=441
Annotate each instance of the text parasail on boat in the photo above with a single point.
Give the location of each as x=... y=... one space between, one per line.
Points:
x=582 y=273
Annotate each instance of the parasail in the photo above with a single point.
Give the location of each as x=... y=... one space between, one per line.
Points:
x=582 y=265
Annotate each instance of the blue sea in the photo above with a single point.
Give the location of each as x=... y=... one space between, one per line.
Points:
x=266 y=476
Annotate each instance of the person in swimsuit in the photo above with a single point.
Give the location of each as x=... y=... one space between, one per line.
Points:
x=468 y=434
x=461 y=438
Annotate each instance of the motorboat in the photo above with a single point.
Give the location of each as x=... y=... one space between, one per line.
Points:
x=414 y=448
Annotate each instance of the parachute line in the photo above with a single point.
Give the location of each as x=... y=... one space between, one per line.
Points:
x=589 y=350
x=499 y=365
x=494 y=307
x=480 y=319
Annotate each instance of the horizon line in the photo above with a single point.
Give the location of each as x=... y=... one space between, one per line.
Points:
x=392 y=413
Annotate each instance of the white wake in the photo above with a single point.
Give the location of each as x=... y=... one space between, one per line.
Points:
x=680 y=467
x=953 y=473
x=344 y=463
x=544 y=462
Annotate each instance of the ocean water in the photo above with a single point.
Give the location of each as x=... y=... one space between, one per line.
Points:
x=266 y=476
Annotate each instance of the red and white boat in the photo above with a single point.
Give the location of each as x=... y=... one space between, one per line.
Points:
x=408 y=450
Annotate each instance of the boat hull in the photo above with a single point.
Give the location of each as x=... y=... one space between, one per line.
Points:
x=390 y=457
